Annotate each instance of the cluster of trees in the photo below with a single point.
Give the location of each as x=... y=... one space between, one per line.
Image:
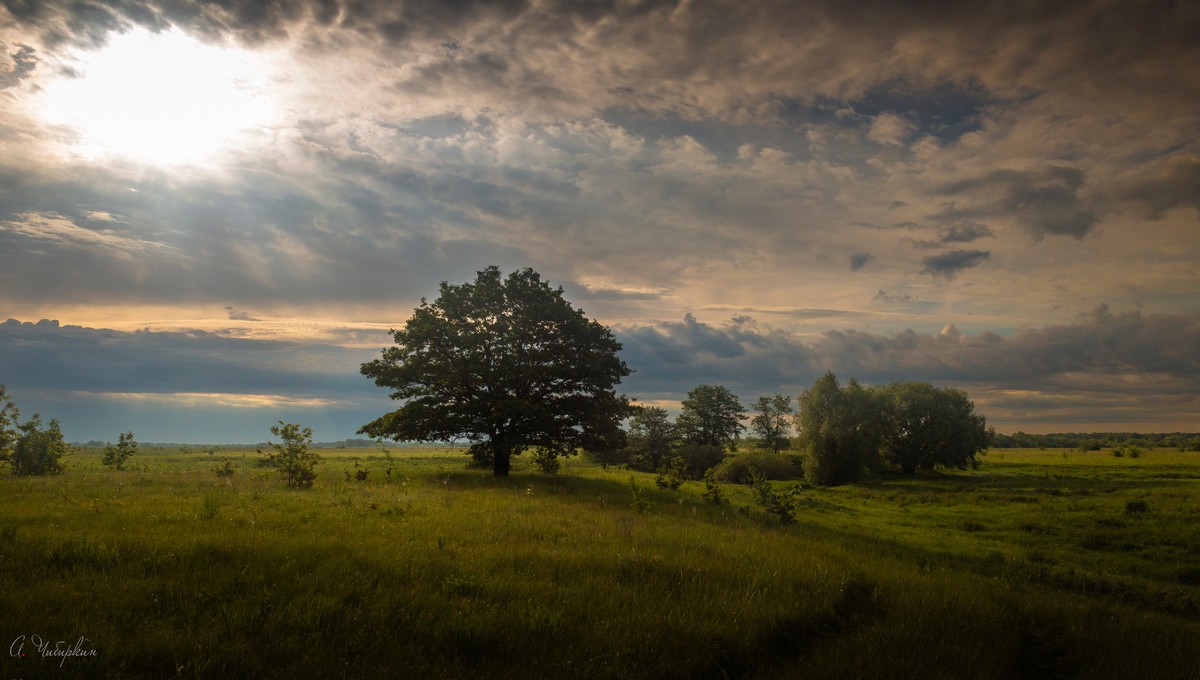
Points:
x=509 y=365
x=846 y=431
x=913 y=425
x=29 y=448
x=709 y=422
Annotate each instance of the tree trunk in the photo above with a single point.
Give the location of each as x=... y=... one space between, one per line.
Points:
x=501 y=459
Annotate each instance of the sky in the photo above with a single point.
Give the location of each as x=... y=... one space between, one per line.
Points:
x=212 y=212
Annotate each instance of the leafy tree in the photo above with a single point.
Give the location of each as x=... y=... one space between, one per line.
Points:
x=38 y=450
x=673 y=474
x=506 y=363
x=295 y=463
x=10 y=416
x=711 y=415
x=772 y=422
x=700 y=457
x=839 y=427
x=115 y=457
x=927 y=426
x=651 y=437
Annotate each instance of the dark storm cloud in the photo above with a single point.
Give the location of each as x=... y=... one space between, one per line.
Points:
x=947 y=265
x=1102 y=358
x=47 y=356
x=1101 y=344
x=1046 y=202
x=967 y=232
x=1140 y=353
x=942 y=63
x=1175 y=183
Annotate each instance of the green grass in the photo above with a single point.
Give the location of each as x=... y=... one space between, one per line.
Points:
x=1035 y=565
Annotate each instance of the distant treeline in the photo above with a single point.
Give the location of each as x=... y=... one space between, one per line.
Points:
x=340 y=444
x=1184 y=441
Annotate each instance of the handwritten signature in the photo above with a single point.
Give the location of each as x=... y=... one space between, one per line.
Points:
x=47 y=648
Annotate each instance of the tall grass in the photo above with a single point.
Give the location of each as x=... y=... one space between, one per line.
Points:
x=1029 y=567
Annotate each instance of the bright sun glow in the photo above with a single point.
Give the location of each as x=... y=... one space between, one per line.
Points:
x=162 y=98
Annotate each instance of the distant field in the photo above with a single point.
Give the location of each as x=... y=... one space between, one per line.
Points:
x=1041 y=564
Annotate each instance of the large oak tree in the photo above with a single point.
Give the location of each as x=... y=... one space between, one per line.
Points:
x=505 y=363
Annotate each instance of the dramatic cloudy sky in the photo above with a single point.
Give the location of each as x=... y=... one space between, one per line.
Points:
x=211 y=212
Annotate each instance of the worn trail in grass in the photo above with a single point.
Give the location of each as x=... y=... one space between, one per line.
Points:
x=1035 y=565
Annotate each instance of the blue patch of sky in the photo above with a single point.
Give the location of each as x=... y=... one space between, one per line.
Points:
x=946 y=112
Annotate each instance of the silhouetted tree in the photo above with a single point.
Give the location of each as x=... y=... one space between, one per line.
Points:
x=711 y=415
x=506 y=363
x=927 y=426
x=652 y=436
x=772 y=422
x=840 y=429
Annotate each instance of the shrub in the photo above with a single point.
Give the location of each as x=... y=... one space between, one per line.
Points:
x=38 y=451
x=672 y=475
x=225 y=469
x=481 y=456
x=775 y=466
x=637 y=501
x=712 y=490
x=547 y=460
x=781 y=505
x=608 y=456
x=296 y=464
x=1136 y=507
x=115 y=457
x=700 y=458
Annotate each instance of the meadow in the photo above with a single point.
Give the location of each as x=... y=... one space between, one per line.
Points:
x=1040 y=564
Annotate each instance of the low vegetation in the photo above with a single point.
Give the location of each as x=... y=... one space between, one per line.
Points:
x=1038 y=564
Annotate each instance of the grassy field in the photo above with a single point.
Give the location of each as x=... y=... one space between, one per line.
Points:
x=1041 y=564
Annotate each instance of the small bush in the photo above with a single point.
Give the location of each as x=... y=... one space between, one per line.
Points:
x=547 y=460
x=38 y=451
x=712 y=490
x=774 y=466
x=606 y=457
x=225 y=469
x=700 y=457
x=781 y=505
x=210 y=507
x=673 y=474
x=295 y=463
x=115 y=457
x=481 y=456
x=637 y=501
x=1136 y=507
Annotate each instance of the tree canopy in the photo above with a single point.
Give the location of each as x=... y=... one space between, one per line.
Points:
x=929 y=426
x=847 y=430
x=772 y=422
x=506 y=363
x=711 y=415
x=839 y=426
